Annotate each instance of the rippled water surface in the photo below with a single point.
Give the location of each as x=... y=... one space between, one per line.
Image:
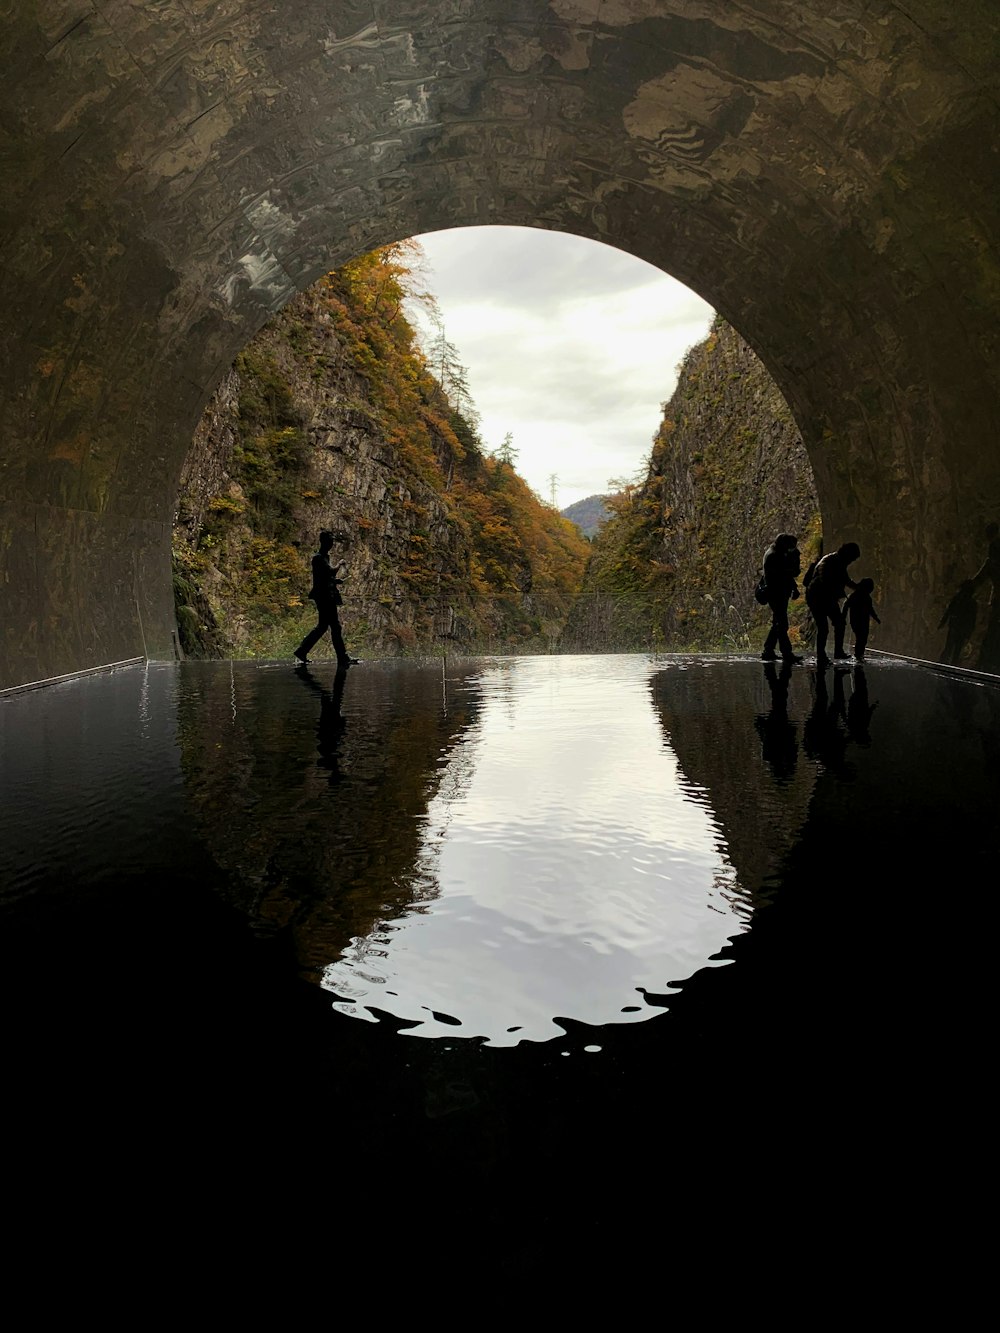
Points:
x=562 y=866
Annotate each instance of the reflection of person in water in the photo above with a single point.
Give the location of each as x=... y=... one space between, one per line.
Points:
x=823 y=737
x=325 y=592
x=989 y=572
x=960 y=617
x=332 y=724
x=859 y=710
x=778 y=742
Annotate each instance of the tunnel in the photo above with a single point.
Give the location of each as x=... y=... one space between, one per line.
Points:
x=825 y=175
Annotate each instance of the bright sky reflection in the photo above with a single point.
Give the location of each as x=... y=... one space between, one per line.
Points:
x=562 y=867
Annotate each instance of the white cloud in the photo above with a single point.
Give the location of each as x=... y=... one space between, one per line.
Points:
x=571 y=346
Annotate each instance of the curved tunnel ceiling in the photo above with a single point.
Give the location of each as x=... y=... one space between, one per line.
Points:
x=825 y=174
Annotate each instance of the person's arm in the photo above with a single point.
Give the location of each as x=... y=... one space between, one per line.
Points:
x=794 y=570
x=875 y=616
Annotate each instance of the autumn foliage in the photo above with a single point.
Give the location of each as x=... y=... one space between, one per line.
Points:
x=458 y=547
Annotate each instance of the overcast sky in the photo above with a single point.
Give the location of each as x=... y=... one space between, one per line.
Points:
x=571 y=346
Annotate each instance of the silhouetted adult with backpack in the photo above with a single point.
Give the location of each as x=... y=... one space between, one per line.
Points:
x=827 y=588
x=781 y=569
x=325 y=592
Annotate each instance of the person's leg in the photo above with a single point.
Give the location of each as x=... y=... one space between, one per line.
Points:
x=314 y=636
x=839 y=619
x=767 y=652
x=780 y=628
x=819 y=614
x=337 y=637
x=860 y=642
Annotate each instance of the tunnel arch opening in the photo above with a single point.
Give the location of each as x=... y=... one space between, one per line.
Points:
x=574 y=345
x=826 y=183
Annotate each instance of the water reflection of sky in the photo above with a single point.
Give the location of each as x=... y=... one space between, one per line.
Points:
x=562 y=867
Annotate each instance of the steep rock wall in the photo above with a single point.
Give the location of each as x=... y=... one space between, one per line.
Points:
x=330 y=419
x=676 y=565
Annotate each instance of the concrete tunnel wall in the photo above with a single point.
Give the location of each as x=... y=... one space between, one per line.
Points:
x=827 y=175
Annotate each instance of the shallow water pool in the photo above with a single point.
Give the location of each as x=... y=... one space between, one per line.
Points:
x=614 y=923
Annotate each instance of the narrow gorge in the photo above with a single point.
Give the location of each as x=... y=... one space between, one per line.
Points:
x=332 y=417
x=675 y=565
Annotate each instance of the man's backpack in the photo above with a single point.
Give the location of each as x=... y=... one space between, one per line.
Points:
x=807 y=577
x=760 y=592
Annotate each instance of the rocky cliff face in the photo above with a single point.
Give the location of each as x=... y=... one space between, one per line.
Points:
x=330 y=419
x=676 y=565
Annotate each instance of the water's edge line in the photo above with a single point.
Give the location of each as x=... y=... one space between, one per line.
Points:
x=70 y=675
x=944 y=668
x=963 y=673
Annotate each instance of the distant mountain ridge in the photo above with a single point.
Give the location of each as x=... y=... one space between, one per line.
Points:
x=589 y=515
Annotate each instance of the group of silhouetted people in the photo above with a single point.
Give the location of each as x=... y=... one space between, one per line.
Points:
x=826 y=583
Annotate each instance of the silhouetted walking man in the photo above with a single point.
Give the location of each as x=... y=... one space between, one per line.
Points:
x=781 y=568
x=326 y=594
x=830 y=582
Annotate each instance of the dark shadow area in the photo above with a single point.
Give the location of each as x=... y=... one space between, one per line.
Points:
x=988 y=575
x=961 y=615
x=861 y=985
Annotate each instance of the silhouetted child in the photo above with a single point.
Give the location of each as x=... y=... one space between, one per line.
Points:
x=860 y=612
x=960 y=617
